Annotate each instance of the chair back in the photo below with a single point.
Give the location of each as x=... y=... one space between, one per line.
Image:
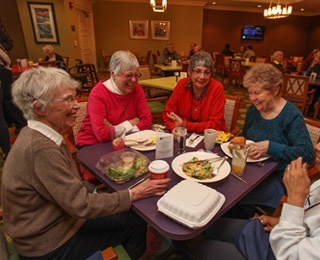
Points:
x=219 y=66
x=235 y=66
x=73 y=132
x=145 y=72
x=66 y=61
x=227 y=61
x=231 y=111
x=261 y=60
x=295 y=90
x=313 y=127
x=105 y=59
x=51 y=63
x=156 y=106
x=86 y=74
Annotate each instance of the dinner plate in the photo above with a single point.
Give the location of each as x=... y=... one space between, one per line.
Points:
x=182 y=158
x=226 y=150
x=142 y=135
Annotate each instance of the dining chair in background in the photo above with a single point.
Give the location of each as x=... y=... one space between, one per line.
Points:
x=313 y=127
x=296 y=90
x=105 y=60
x=231 y=113
x=86 y=74
x=66 y=61
x=219 y=67
x=236 y=71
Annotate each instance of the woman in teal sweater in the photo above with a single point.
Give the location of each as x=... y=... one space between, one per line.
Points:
x=278 y=130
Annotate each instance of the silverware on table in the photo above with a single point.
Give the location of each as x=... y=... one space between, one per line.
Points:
x=209 y=159
x=238 y=177
x=193 y=139
x=216 y=170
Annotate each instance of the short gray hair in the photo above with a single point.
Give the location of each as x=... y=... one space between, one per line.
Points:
x=263 y=75
x=276 y=54
x=201 y=58
x=123 y=60
x=40 y=84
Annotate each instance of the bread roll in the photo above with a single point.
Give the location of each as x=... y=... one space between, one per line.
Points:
x=238 y=140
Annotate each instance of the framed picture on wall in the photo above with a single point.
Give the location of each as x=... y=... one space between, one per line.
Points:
x=138 y=29
x=160 y=30
x=43 y=22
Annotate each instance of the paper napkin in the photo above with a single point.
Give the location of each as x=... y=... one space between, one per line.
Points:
x=195 y=142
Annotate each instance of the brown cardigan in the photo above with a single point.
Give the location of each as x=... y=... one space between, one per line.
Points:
x=45 y=202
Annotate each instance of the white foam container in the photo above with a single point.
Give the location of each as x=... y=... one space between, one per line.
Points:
x=191 y=203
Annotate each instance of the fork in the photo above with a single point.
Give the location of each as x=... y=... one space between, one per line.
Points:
x=193 y=139
x=216 y=170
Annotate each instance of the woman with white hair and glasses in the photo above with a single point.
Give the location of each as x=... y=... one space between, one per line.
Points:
x=197 y=102
x=118 y=101
x=48 y=210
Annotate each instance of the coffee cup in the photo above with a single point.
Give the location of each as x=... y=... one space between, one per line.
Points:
x=210 y=136
x=158 y=169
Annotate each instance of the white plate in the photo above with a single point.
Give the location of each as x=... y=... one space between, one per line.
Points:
x=226 y=150
x=182 y=158
x=142 y=135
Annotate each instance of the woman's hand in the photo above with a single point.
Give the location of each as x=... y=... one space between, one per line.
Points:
x=258 y=149
x=175 y=118
x=149 y=188
x=297 y=182
x=134 y=121
x=268 y=222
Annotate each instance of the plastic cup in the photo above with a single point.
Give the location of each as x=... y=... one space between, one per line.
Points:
x=158 y=169
x=239 y=159
x=210 y=136
x=117 y=138
x=181 y=138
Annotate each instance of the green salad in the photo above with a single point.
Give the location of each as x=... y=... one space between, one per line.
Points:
x=198 y=169
x=123 y=170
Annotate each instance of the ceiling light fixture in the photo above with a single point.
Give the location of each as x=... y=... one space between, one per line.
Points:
x=158 y=8
x=277 y=11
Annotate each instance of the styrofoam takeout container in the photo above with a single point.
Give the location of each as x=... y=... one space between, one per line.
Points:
x=191 y=203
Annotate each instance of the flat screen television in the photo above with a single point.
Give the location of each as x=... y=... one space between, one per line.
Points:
x=252 y=32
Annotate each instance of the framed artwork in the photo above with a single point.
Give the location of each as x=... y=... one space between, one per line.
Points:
x=138 y=29
x=160 y=30
x=43 y=22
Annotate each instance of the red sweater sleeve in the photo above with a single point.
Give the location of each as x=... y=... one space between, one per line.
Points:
x=210 y=109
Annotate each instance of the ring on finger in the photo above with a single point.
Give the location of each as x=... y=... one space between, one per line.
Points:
x=288 y=168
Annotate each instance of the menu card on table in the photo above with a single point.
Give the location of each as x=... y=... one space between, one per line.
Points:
x=164 y=145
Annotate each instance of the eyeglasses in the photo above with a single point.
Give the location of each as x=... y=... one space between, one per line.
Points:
x=71 y=101
x=198 y=72
x=131 y=75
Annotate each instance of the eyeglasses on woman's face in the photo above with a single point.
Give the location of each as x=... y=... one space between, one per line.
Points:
x=199 y=72
x=71 y=100
x=129 y=75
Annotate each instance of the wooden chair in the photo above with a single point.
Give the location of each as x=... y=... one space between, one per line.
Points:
x=236 y=71
x=313 y=127
x=86 y=74
x=156 y=106
x=66 y=61
x=219 y=67
x=261 y=59
x=105 y=59
x=296 y=90
x=231 y=112
x=150 y=92
x=72 y=133
x=51 y=63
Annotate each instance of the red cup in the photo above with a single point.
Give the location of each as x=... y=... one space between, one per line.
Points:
x=158 y=169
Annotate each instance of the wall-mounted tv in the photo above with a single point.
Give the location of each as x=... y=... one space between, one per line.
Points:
x=252 y=32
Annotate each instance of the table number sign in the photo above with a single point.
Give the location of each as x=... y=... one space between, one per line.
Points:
x=164 y=145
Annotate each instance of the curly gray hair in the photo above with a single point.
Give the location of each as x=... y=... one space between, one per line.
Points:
x=40 y=84
x=201 y=58
x=263 y=75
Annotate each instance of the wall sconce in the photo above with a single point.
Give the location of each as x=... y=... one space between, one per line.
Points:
x=158 y=8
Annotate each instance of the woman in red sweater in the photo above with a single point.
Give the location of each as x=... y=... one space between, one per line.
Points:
x=197 y=102
x=118 y=101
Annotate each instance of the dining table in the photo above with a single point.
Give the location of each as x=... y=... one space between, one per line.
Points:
x=166 y=68
x=164 y=83
x=248 y=64
x=231 y=187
